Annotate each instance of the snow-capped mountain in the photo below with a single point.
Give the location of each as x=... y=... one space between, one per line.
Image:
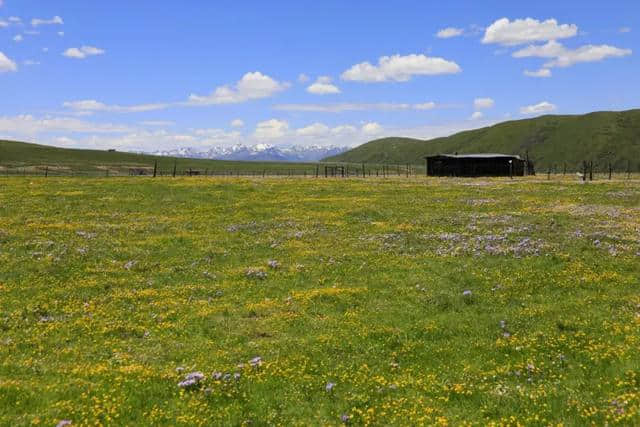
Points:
x=259 y=152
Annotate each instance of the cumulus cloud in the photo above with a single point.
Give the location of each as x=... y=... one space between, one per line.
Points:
x=18 y=38
x=271 y=129
x=82 y=52
x=15 y=20
x=542 y=107
x=7 y=64
x=562 y=57
x=323 y=86
x=477 y=115
x=93 y=105
x=56 y=20
x=483 y=103
x=372 y=128
x=253 y=85
x=237 y=123
x=3 y=24
x=521 y=31
x=400 y=68
x=541 y=73
x=449 y=32
x=315 y=130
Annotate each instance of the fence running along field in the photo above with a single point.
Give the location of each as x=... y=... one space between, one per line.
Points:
x=587 y=170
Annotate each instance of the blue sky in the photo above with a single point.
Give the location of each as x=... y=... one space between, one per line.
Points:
x=149 y=75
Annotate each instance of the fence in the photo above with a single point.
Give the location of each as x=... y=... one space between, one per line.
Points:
x=587 y=170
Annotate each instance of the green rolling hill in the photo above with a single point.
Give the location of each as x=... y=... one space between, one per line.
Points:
x=550 y=140
x=19 y=157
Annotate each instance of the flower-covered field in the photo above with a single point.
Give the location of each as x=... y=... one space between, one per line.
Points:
x=197 y=301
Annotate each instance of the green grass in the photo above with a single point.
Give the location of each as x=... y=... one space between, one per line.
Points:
x=19 y=157
x=550 y=140
x=108 y=286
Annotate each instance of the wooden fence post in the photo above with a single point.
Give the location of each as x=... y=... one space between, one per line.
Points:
x=591 y=171
x=364 y=172
x=584 y=170
x=155 y=168
x=174 y=168
x=46 y=171
x=610 y=170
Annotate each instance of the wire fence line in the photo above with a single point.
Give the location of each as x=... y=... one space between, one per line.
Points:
x=587 y=170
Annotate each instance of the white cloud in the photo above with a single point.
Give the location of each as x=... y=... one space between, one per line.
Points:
x=550 y=49
x=541 y=73
x=7 y=64
x=303 y=78
x=400 y=68
x=449 y=32
x=588 y=53
x=29 y=125
x=45 y=49
x=271 y=129
x=425 y=106
x=483 y=103
x=93 y=105
x=56 y=20
x=82 y=52
x=563 y=57
x=341 y=107
x=237 y=123
x=31 y=62
x=18 y=38
x=542 y=107
x=15 y=19
x=61 y=33
x=323 y=86
x=253 y=85
x=625 y=30
x=522 y=31
x=372 y=128
x=477 y=115
x=344 y=130
x=315 y=130
x=3 y=24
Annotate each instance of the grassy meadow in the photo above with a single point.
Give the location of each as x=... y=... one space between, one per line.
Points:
x=319 y=301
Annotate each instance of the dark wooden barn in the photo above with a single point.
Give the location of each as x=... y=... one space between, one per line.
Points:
x=476 y=165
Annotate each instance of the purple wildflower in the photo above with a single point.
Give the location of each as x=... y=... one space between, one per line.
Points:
x=467 y=293
x=329 y=387
x=256 y=361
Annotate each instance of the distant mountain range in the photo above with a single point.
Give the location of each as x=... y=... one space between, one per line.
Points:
x=257 y=153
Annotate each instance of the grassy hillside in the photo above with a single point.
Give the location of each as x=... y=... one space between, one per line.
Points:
x=16 y=156
x=601 y=137
x=387 y=302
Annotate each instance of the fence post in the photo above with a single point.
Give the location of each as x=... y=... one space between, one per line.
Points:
x=407 y=170
x=610 y=170
x=174 y=169
x=584 y=170
x=591 y=171
x=155 y=168
x=364 y=171
x=46 y=171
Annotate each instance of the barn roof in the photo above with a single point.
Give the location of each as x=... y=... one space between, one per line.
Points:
x=476 y=156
